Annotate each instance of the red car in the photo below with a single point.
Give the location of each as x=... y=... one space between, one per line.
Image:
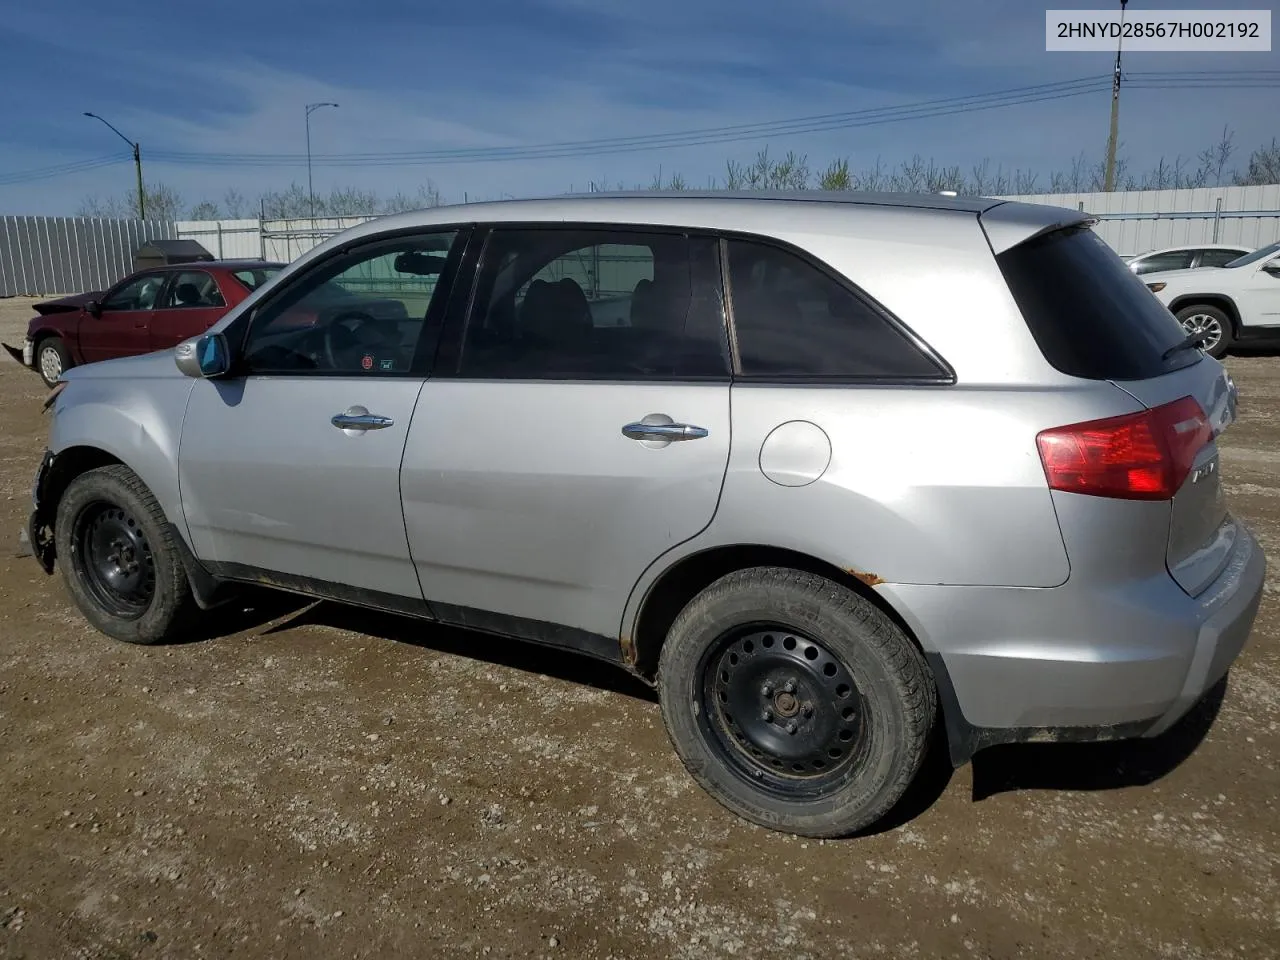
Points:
x=153 y=309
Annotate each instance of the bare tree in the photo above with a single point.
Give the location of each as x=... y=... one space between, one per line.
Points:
x=234 y=203
x=162 y=202
x=1264 y=166
x=871 y=180
x=204 y=210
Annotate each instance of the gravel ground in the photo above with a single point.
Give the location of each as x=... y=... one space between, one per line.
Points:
x=320 y=782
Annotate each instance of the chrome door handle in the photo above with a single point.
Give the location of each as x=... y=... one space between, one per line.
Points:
x=663 y=431
x=358 y=418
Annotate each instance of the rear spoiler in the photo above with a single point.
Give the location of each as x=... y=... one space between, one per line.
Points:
x=1012 y=223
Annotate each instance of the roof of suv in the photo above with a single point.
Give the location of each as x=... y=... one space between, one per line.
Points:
x=1007 y=223
x=922 y=201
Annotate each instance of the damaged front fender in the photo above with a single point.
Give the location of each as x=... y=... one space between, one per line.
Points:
x=40 y=523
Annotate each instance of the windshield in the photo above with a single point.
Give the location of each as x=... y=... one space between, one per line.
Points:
x=1260 y=254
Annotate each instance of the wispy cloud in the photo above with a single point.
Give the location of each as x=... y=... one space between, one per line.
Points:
x=513 y=72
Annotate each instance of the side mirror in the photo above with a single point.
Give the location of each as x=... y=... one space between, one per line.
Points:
x=94 y=308
x=1272 y=268
x=204 y=356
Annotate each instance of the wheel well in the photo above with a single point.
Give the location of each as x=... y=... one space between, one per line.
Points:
x=68 y=465
x=690 y=576
x=1209 y=300
x=44 y=334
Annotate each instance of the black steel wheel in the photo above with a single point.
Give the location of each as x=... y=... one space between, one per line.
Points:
x=783 y=709
x=118 y=558
x=114 y=559
x=796 y=702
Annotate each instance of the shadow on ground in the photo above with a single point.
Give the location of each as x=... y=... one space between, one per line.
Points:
x=517 y=654
x=1095 y=766
x=996 y=770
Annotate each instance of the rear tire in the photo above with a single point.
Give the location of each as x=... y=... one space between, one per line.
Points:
x=1211 y=320
x=117 y=557
x=52 y=359
x=795 y=702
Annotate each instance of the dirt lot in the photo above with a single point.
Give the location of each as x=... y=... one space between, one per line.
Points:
x=315 y=782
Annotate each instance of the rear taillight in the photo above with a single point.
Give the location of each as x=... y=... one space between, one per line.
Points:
x=1140 y=456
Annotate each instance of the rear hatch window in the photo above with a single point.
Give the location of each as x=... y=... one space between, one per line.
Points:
x=1090 y=315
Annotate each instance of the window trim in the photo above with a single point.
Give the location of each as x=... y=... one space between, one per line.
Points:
x=453 y=342
x=238 y=331
x=946 y=375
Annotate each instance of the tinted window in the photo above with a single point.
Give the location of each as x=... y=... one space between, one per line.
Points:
x=1089 y=314
x=137 y=294
x=793 y=320
x=361 y=313
x=253 y=279
x=193 y=288
x=1218 y=258
x=1165 y=261
x=1260 y=254
x=596 y=304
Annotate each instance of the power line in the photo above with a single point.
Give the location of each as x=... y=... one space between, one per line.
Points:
x=58 y=170
x=735 y=133
x=868 y=117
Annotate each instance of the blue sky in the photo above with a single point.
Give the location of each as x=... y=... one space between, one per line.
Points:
x=233 y=77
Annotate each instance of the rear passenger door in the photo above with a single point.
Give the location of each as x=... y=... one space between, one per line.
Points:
x=190 y=305
x=575 y=429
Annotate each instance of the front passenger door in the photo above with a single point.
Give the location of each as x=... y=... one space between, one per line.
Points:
x=290 y=465
x=120 y=329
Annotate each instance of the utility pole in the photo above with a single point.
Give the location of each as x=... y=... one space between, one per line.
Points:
x=1109 y=183
x=311 y=194
x=137 y=163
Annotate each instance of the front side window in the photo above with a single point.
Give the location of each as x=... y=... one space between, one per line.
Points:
x=193 y=288
x=596 y=304
x=362 y=313
x=793 y=320
x=138 y=294
x=1175 y=260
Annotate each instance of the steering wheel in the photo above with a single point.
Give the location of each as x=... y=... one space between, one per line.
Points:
x=332 y=348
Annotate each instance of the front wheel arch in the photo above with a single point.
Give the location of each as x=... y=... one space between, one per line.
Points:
x=1218 y=301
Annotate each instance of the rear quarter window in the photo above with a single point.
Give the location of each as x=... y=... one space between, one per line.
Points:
x=1089 y=314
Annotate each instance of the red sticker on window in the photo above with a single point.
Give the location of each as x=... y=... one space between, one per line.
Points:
x=367 y=362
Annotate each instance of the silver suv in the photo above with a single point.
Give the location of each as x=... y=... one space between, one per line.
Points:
x=826 y=470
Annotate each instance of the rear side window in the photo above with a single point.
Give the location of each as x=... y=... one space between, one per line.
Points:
x=793 y=320
x=591 y=304
x=1090 y=315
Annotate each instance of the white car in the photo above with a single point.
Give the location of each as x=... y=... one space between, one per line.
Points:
x=1187 y=257
x=1236 y=303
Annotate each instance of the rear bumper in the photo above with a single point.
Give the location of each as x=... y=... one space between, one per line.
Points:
x=1080 y=661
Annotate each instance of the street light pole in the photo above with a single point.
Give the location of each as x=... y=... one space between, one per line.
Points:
x=1109 y=176
x=137 y=163
x=311 y=194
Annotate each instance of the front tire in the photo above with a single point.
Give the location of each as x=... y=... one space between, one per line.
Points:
x=117 y=557
x=52 y=359
x=1215 y=323
x=795 y=702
